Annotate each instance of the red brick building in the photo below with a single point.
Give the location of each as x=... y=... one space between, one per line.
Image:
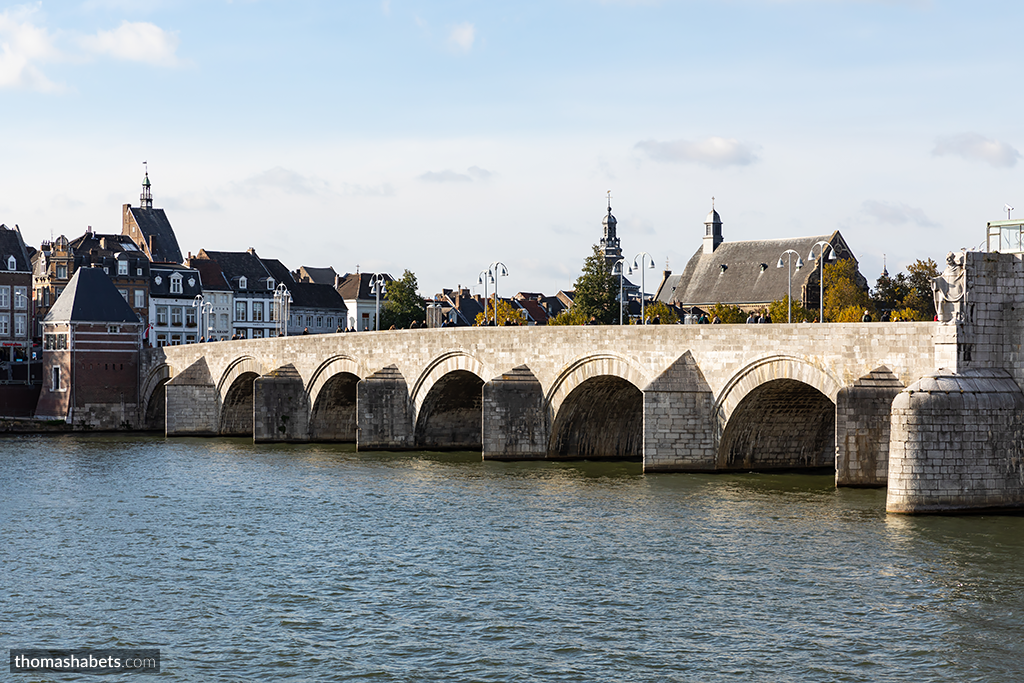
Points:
x=91 y=344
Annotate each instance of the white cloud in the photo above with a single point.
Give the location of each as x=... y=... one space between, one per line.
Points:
x=462 y=36
x=137 y=41
x=385 y=7
x=450 y=176
x=23 y=47
x=281 y=180
x=896 y=213
x=974 y=147
x=714 y=151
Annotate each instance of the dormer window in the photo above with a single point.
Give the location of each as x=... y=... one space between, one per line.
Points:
x=270 y=283
x=122 y=267
x=11 y=263
x=175 y=284
x=241 y=282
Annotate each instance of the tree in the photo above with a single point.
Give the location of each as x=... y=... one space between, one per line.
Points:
x=666 y=315
x=845 y=300
x=402 y=303
x=727 y=314
x=597 y=290
x=506 y=311
x=570 y=316
x=890 y=292
x=777 y=311
x=906 y=297
x=920 y=297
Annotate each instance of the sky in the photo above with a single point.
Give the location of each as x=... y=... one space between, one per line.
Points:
x=442 y=136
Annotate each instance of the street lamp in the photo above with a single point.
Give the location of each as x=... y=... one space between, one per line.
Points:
x=619 y=266
x=789 y=254
x=282 y=302
x=497 y=268
x=205 y=308
x=821 y=273
x=484 y=279
x=642 y=257
x=377 y=287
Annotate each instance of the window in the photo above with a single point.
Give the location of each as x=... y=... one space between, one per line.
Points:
x=62 y=272
x=190 y=317
x=175 y=340
x=138 y=272
x=140 y=298
x=161 y=339
x=20 y=324
x=257 y=311
x=319 y=321
x=55 y=382
x=257 y=333
x=21 y=298
x=5 y=296
x=240 y=310
x=57 y=292
x=113 y=329
x=309 y=321
x=330 y=321
x=12 y=264
x=366 y=321
x=175 y=284
x=223 y=321
x=5 y=324
x=124 y=293
x=122 y=267
x=55 y=342
x=190 y=339
x=270 y=282
x=161 y=315
x=241 y=282
x=176 y=315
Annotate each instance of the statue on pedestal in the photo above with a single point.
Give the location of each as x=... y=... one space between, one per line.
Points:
x=950 y=289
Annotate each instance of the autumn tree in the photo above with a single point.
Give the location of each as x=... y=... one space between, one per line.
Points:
x=727 y=314
x=777 y=311
x=905 y=297
x=845 y=299
x=665 y=313
x=920 y=298
x=506 y=311
x=402 y=303
x=570 y=316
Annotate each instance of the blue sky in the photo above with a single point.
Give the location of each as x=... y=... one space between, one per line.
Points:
x=441 y=136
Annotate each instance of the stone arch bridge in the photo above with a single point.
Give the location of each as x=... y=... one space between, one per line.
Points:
x=679 y=397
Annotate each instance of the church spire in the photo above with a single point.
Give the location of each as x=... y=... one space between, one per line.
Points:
x=712 y=230
x=146 y=198
x=610 y=241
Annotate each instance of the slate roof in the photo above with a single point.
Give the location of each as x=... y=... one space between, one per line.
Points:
x=236 y=264
x=321 y=276
x=318 y=296
x=750 y=275
x=153 y=223
x=278 y=271
x=163 y=289
x=11 y=244
x=357 y=286
x=210 y=274
x=91 y=297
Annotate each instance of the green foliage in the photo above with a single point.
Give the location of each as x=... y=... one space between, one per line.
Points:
x=907 y=297
x=728 y=314
x=597 y=291
x=506 y=311
x=920 y=279
x=570 y=316
x=402 y=303
x=777 y=311
x=889 y=292
x=843 y=293
x=666 y=314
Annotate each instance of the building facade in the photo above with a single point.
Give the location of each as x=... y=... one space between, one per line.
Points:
x=356 y=290
x=15 y=307
x=174 y=316
x=252 y=290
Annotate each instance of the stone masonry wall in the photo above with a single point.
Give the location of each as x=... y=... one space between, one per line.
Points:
x=384 y=412
x=862 y=429
x=280 y=407
x=515 y=419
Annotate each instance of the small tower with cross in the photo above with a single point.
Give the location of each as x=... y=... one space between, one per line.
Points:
x=610 y=241
x=146 y=198
x=712 y=230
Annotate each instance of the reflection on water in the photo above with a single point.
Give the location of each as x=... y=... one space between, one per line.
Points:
x=314 y=562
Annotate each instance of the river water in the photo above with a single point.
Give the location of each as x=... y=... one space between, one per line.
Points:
x=316 y=563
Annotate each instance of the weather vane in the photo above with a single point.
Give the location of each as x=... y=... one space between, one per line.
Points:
x=609 y=200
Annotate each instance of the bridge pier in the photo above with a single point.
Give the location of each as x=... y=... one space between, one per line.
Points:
x=862 y=429
x=515 y=423
x=384 y=412
x=678 y=414
x=193 y=404
x=280 y=407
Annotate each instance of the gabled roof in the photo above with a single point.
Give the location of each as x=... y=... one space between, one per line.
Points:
x=321 y=276
x=91 y=297
x=11 y=244
x=210 y=274
x=314 y=295
x=278 y=271
x=357 y=286
x=157 y=231
x=741 y=273
x=95 y=242
x=236 y=264
x=534 y=310
x=165 y=271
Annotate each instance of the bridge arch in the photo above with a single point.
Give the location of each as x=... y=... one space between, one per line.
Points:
x=153 y=408
x=596 y=405
x=236 y=388
x=777 y=413
x=332 y=399
x=448 y=403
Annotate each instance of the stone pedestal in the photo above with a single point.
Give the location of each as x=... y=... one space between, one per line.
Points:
x=515 y=420
x=384 y=412
x=679 y=431
x=862 y=429
x=956 y=444
x=193 y=405
x=280 y=407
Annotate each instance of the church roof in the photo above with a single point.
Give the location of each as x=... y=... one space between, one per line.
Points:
x=91 y=297
x=745 y=273
x=153 y=224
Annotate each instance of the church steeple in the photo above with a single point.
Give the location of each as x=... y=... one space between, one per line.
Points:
x=610 y=242
x=712 y=230
x=146 y=198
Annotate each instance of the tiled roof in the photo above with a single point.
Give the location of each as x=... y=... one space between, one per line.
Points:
x=745 y=273
x=278 y=271
x=11 y=244
x=314 y=295
x=321 y=276
x=209 y=274
x=153 y=223
x=163 y=289
x=236 y=264
x=534 y=310
x=91 y=297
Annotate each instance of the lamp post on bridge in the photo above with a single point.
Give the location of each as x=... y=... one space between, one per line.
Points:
x=497 y=268
x=620 y=265
x=642 y=257
x=282 y=302
x=820 y=246
x=377 y=287
x=205 y=309
x=485 y=278
x=789 y=254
